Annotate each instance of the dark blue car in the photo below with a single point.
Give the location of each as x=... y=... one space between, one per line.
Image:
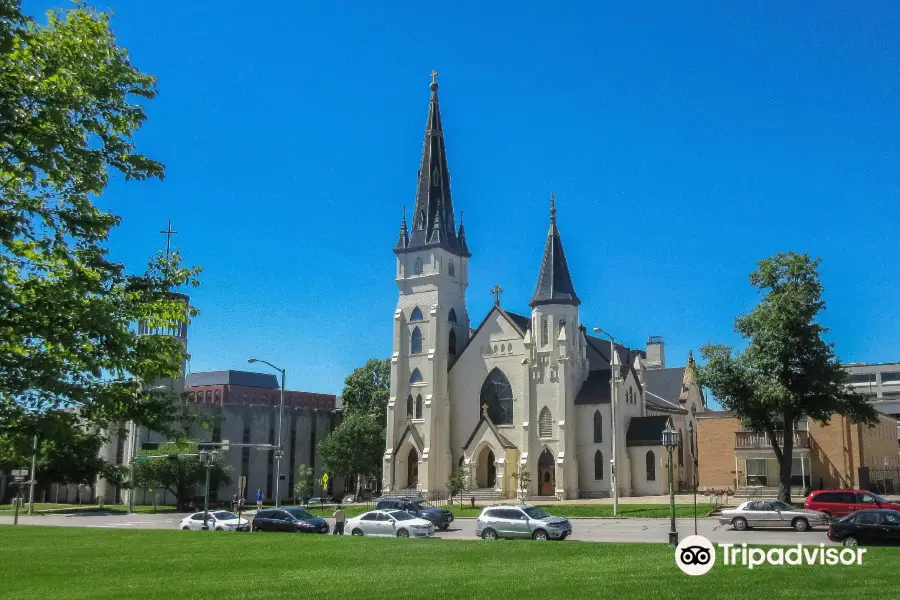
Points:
x=291 y=519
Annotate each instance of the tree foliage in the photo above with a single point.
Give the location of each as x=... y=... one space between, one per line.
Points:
x=458 y=482
x=368 y=389
x=181 y=475
x=787 y=372
x=355 y=448
x=303 y=489
x=71 y=103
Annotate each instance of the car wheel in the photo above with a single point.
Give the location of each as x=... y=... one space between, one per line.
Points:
x=826 y=513
x=489 y=534
x=851 y=541
x=219 y=529
x=740 y=524
x=185 y=528
x=444 y=527
x=403 y=533
x=356 y=532
x=801 y=524
x=540 y=535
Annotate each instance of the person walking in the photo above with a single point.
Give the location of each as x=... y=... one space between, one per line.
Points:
x=339 y=519
x=259 y=499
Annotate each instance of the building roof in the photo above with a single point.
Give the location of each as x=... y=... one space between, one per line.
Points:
x=666 y=384
x=554 y=283
x=245 y=378
x=595 y=389
x=432 y=219
x=522 y=322
x=646 y=431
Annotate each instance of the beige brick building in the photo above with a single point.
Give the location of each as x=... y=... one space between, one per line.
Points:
x=838 y=455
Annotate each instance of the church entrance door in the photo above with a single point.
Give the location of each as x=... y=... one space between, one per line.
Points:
x=491 y=470
x=546 y=474
x=412 y=469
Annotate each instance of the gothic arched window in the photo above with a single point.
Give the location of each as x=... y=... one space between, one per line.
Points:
x=415 y=343
x=418 y=268
x=451 y=342
x=451 y=269
x=452 y=316
x=598 y=427
x=598 y=465
x=545 y=336
x=416 y=314
x=651 y=466
x=416 y=376
x=419 y=406
x=497 y=394
x=691 y=433
x=409 y=406
x=545 y=424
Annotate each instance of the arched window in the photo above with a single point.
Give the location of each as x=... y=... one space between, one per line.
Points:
x=452 y=316
x=416 y=376
x=416 y=314
x=451 y=269
x=598 y=427
x=545 y=423
x=497 y=394
x=502 y=348
x=651 y=466
x=544 y=333
x=409 y=406
x=451 y=342
x=415 y=344
x=680 y=449
x=692 y=447
x=598 y=465
x=418 y=267
x=419 y=406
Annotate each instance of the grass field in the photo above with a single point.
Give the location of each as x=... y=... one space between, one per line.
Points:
x=98 y=564
x=42 y=508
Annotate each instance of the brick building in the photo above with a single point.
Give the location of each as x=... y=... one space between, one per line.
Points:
x=838 y=455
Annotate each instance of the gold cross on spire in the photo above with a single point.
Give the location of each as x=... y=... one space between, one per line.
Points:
x=434 y=75
x=496 y=291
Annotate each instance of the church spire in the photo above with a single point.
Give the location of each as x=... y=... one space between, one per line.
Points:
x=461 y=236
x=403 y=241
x=554 y=284
x=433 y=223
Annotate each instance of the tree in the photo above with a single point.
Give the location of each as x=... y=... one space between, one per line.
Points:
x=523 y=478
x=303 y=489
x=355 y=448
x=180 y=475
x=368 y=389
x=70 y=106
x=787 y=372
x=458 y=482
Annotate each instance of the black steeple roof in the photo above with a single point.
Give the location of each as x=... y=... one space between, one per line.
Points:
x=433 y=224
x=403 y=240
x=554 y=284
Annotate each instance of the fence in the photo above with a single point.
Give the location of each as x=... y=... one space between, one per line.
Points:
x=881 y=481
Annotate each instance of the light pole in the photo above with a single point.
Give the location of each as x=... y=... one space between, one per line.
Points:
x=279 y=452
x=612 y=392
x=670 y=440
x=33 y=476
x=134 y=435
x=206 y=458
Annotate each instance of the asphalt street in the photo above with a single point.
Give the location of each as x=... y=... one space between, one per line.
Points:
x=588 y=530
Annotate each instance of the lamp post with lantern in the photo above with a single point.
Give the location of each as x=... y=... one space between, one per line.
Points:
x=670 y=439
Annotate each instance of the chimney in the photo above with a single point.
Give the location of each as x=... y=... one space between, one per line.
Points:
x=656 y=353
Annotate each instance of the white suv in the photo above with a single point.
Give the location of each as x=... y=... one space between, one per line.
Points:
x=520 y=521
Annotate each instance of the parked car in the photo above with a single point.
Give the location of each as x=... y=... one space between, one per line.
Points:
x=440 y=517
x=219 y=520
x=771 y=513
x=875 y=527
x=292 y=519
x=318 y=500
x=391 y=523
x=837 y=503
x=521 y=521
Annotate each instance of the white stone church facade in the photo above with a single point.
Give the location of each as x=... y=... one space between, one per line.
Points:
x=517 y=392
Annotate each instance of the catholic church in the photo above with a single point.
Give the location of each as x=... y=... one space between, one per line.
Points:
x=519 y=393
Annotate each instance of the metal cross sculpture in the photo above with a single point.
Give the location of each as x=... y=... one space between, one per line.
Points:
x=169 y=233
x=496 y=291
x=434 y=75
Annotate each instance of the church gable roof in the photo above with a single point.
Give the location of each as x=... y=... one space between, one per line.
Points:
x=646 y=431
x=520 y=324
x=412 y=432
x=486 y=428
x=665 y=384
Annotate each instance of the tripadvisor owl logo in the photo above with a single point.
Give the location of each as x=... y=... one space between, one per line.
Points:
x=695 y=555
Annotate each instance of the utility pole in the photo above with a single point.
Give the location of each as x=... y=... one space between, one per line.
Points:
x=279 y=453
x=33 y=473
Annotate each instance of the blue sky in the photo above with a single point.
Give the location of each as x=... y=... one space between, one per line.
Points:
x=684 y=142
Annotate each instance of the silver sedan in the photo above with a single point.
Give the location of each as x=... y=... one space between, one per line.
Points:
x=771 y=513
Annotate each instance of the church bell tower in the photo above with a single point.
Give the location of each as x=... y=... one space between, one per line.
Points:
x=431 y=323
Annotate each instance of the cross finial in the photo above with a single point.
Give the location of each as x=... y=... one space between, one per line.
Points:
x=169 y=233
x=552 y=208
x=484 y=409
x=434 y=75
x=496 y=291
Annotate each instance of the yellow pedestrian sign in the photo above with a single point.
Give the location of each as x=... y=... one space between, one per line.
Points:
x=324 y=481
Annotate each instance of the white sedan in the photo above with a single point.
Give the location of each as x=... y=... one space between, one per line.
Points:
x=218 y=520
x=392 y=523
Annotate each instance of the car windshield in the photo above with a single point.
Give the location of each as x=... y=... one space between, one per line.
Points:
x=535 y=513
x=224 y=515
x=298 y=513
x=877 y=497
x=401 y=515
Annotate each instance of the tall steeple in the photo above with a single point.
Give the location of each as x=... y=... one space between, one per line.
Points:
x=433 y=223
x=554 y=284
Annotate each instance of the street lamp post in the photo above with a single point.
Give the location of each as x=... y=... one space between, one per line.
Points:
x=206 y=458
x=670 y=438
x=612 y=391
x=280 y=451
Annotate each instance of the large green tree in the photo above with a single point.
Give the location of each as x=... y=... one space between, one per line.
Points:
x=178 y=472
x=70 y=105
x=787 y=371
x=368 y=389
x=355 y=448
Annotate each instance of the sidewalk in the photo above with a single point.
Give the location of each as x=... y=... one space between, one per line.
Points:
x=679 y=499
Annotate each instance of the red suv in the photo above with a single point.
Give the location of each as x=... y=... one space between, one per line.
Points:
x=838 y=503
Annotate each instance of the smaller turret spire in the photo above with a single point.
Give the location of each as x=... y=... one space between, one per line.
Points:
x=436 y=233
x=403 y=241
x=554 y=284
x=461 y=236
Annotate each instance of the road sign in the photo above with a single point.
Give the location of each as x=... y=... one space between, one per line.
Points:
x=20 y=473
x=324 y=480
x=224 y=445
x=279 y=454
x=141 y=458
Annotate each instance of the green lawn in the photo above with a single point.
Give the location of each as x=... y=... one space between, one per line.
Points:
x=98 y=564
x=48 y=508
x=565 y=510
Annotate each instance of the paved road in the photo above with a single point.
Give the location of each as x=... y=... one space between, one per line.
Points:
x=589 y=530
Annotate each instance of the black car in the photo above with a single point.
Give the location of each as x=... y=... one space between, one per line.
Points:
x=292 y=519
x=440 y=517
x=867 y=527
